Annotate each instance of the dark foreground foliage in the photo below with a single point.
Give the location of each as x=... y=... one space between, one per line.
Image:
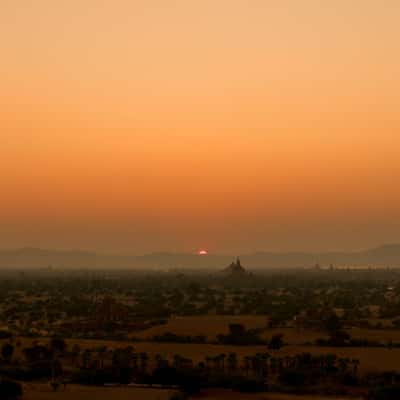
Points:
x=10 y=390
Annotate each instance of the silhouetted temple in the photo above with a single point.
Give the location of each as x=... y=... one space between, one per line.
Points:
x=235 y=267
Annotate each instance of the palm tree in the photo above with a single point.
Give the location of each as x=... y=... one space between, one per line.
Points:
x=208 y=362
x=135 y=358
x=247 y=361
x=343 y=364
x=86 y=356
x=264 y=364
x=177 y=361
x=160 y=361
x=356 y=364
x=144 y=358
x=101 y=353
x=330 y=361
x=216 y=361
x=128 y=351
x=222 y=358
x=255 y=364
x=232 y=362
x=288 y=361
x=75 y=351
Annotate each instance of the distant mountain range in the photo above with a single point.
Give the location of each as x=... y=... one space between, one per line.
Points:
x=25 y=258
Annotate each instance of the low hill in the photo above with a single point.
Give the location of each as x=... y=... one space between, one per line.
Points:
x=25 y=258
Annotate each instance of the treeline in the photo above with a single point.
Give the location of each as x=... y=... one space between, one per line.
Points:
x=300 y=373
x=258 y=372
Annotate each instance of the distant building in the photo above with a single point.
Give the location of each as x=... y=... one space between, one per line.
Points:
x=235 y=267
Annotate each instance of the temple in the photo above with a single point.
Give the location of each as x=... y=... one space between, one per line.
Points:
x=235 y=267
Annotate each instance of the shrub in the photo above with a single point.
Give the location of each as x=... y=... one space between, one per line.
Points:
x=293 y=378
x=5 y=335
x=10 y=390
x=250 y=386
x=178 y=396
x=385 y=393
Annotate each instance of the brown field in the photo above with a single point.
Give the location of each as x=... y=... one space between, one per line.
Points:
x=225 y=394
x=294 y=336
x=212 y=325
x=76 y=392
x=382 y=335
x=208 y=325
x=370 y=358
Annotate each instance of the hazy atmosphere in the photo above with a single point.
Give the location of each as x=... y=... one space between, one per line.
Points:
x=199 y=200
x=234 y=126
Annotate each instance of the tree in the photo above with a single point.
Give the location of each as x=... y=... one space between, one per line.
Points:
x=222 y=358
x=101 y=353
x=7 y=352
x=76 y=350
x=332 y=323
x=343 y=364
x=86 y=358
x=10 y=390
x=339 y=338
x=165 y=375
x=236 y=330
x=356 y=363
x=385 y=393
x=247 y=361
x=160 y=361
x=276 y=341
x=144 y=358
x=39 y=359
x=58 y=345
x=232 y=362
x=293 y=378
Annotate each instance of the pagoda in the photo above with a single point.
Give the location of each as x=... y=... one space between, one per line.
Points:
x=235 y=267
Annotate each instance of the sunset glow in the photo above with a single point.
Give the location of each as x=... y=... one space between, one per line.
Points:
x=140 y=126
x=199 y=199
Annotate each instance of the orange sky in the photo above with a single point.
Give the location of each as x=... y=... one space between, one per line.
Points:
x=231 y=125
